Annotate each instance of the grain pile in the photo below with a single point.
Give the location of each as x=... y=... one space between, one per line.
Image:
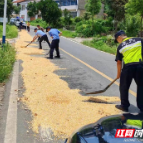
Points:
x=52 y=103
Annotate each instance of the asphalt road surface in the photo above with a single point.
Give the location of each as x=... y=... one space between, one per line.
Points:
x=86 y=69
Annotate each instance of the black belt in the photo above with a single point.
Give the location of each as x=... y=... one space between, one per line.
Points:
x=135 y=63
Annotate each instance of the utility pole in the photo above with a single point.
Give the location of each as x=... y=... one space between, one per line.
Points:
x=4 y=22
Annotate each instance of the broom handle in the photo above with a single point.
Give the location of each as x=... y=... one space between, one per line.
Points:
x=111 y=83
x=29 y=43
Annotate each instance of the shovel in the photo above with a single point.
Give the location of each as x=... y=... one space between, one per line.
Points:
x=101 y=91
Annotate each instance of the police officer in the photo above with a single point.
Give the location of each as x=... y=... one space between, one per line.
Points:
x=130 y=51
x=54 y=33
x=42 y=35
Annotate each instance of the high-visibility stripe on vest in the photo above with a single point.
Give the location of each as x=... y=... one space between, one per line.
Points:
x=137 y=123
x=132 y=51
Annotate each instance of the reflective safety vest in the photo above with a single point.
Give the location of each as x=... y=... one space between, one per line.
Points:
x=131 y=49
x=135 y=123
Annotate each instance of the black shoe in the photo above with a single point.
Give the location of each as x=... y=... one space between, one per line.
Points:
x=40 y=48
x=49 y=58
x=57 y=57
x=120 y=107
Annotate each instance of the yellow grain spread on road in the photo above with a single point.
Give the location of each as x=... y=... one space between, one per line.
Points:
x=52 y=103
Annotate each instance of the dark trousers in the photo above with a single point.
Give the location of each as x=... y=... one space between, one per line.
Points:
x=28 y=28
x=20 y=27
x=45 y=38
x=128 y=73
x=55 y=45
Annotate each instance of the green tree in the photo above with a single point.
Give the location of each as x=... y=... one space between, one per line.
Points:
x=9 y=8
x=17 y=9
x=93 y=6
x=115 y=9
x=87 y=16
x=67 y=17
x=49 y=11
x=131 y=25
x=135 y=6
x=32 y=9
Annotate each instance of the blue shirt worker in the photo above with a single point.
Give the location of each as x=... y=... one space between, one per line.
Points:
x=42 y=35
x=55 y=34
x=130 y=55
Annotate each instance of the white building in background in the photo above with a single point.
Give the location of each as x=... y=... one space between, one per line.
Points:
x=76 y=7
x=23 y=11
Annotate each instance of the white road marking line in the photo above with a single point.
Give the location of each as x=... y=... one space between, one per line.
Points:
x=11 y=123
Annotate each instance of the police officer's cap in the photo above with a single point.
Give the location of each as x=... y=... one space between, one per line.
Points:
x=48 y=28
x=121 y=32
x=35 y=29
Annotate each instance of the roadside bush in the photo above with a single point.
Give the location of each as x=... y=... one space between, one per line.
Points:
x=85 y=29
x=77 y=19
x=7 y=59
x=39 y=22
x=87 y=16
x=60 y=23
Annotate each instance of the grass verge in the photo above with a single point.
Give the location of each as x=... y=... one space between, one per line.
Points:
x=39 y=22
x=68 y=34
x=11 y=31
x=7 y=59
x=100 y=45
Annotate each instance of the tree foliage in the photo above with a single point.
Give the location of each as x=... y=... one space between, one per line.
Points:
x=87 y=16
x=32 y=9
x=67 y=17
x=93 y=6
x=116 y=9
x=49 y=11
x=17 y=9
x=135 y=6
x=9 y=8
x=131 y=25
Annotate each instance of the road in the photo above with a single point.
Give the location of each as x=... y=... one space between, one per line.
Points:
x=86 y=69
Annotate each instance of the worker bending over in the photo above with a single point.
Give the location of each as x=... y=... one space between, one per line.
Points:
x=42 y=35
